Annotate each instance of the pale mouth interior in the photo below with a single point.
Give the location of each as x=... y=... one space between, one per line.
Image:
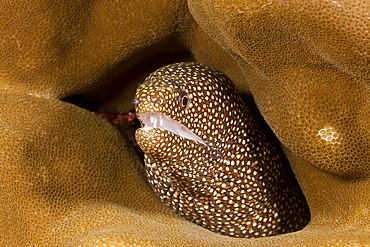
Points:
x=161 y=121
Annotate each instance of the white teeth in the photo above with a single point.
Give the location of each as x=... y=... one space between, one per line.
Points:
x=168 y=124
x=155 y=123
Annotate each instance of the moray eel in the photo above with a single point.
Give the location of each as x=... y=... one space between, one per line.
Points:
x=207 y=159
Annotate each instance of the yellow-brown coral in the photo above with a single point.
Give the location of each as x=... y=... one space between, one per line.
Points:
x=68 y=178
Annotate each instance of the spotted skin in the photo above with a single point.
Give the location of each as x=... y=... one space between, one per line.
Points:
x=235 y=182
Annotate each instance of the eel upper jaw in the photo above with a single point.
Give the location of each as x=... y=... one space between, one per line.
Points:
x=162 y=121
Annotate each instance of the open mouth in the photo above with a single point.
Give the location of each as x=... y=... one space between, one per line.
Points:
x=161 y=121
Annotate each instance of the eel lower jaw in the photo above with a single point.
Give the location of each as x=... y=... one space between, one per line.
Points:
x=162 y=121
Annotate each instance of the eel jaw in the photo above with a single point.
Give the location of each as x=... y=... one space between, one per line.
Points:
x=162 y=121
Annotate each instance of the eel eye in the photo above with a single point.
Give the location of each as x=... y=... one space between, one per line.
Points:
x=183 y=99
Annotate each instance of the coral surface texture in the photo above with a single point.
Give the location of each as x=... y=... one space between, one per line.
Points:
x=69 y=178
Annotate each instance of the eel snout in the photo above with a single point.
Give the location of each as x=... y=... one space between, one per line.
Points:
x=162 y=121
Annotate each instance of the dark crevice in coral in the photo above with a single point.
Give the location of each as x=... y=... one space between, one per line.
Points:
x=83 y=102
x=118 y=89
x=119 y=86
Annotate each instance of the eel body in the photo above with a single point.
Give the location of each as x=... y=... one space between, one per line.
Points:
x=207 y=158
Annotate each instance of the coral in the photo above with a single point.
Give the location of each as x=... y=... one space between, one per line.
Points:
x=68 y=178
x=126 y=123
